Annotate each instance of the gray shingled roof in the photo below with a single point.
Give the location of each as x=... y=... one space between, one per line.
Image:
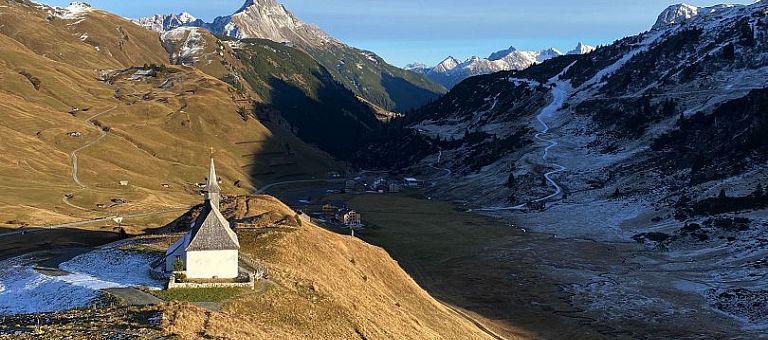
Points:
x=211 y=231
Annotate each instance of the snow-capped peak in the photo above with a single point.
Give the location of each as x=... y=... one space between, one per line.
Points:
x=186 y=17
x=448 y=64
x=582 y=48
x=676 y=14
x=75 y=10
x=163 y=23
x=501 y=54
x=548 y=54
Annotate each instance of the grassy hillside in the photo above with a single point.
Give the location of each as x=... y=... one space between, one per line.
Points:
x=321 y=286
x=77 y=89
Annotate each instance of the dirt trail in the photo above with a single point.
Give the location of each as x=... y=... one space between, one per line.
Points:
x=73 y=154
x=75 y=164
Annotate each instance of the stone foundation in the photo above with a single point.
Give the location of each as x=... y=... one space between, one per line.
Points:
x=249 y=283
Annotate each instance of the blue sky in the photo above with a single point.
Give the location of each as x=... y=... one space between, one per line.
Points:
x=406 y=31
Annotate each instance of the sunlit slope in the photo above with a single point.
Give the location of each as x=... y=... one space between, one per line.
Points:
x=321 y=286
x=62 y=99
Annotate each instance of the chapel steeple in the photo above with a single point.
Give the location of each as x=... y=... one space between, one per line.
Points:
x=212 y=190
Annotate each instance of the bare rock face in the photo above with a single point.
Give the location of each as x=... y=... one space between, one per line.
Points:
x=267 y=19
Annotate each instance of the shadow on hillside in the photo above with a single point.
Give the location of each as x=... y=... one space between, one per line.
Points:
x=54 y=241
x=407 y=95
x=332 y=118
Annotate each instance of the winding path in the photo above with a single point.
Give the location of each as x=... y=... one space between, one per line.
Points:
x=36 y=229
x=75 y=164
x=447 y=171
x=267 y=187
x=73 y=154
x=560 y=92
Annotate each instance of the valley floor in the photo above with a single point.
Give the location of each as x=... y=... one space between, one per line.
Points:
x=535 y=285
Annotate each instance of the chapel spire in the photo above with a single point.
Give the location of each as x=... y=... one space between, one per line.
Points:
x=212 y=189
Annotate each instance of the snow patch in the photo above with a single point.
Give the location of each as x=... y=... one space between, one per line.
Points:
x=75 y=10
x=185 y=44
x=24 y=290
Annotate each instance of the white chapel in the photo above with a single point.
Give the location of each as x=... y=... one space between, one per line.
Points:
x=210 y=249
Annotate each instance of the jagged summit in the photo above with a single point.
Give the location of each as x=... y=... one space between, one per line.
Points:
x=244 y=7
x=548 y=54
x=187 y=17
x=582 y=48
x=250 y=5
x=447 y=64
x=501 y=54
x=163 y=23
x=451 y=71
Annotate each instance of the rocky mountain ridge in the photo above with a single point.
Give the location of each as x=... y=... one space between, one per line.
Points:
x=363 y=72
x=451 y=71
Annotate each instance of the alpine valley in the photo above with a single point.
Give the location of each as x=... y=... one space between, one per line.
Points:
x=658 y=139
x=609 y=192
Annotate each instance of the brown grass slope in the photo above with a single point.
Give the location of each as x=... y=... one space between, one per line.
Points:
x=323 y=286
x=159 y=129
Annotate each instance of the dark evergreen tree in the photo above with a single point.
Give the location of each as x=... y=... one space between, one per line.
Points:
x=759 y=191
x=511 y=181
x=729 y=51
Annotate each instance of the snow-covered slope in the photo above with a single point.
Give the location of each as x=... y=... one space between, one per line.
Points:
x=659 y=138
x=184 y=44
x=676 y=14
x=451 y=72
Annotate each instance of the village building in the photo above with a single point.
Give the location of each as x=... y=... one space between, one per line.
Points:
x=210 y=249
x=395 y=187
x=413 y=183
x=350 y=185
x=349 y=218
x=329 y=209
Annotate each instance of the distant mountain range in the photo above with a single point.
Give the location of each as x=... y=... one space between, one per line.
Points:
x=451 y=71
x=363 y=72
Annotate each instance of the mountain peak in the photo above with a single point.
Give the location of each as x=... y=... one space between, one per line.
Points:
x=186 y=17
x=676 y=14
x=255 y=4
x=447 y=64
x=582 y=48
x=501 y=54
